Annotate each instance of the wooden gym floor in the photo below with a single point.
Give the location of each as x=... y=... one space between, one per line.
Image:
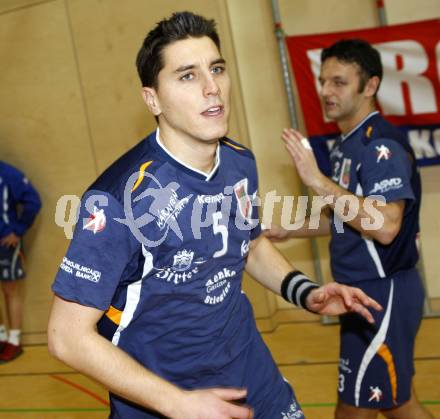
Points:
x=35 y=386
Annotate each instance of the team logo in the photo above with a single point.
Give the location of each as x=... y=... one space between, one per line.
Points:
x=183 y=260
x=383 y=152
x=96 y=222
x=183 y=269
x=345 y=173
x=375 y=394
x=243 y=199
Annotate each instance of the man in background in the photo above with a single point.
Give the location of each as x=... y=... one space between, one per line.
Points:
x=371 y=157
x=20 y=205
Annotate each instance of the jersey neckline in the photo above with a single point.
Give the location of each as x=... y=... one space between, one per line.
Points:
x=175 y=161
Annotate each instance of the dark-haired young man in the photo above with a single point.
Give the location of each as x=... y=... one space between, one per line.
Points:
x=371 y=157
x=148 y=298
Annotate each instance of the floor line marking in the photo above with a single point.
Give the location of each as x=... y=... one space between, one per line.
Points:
x=80 y=388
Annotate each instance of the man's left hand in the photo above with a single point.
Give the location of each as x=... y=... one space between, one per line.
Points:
x=11 y=240
x=333 y=299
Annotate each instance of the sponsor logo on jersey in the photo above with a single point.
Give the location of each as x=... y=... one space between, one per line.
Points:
x=183 y=269
x=208 y=199
x=383 y=152
x=96 y=222
x=218 y=287
x=243 y=198
x=375 y=394
x=244 y=248
x=344 y=181
x=171 y=211
x=80 y=271
x=293 y=412
x=386 y=185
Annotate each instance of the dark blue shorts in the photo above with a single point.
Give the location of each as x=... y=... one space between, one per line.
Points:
x=376 y=363
x=269 y=394
x=11 y=263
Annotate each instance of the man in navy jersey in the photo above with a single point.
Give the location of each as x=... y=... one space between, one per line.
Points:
x=148 y=298
x=20 y=204
x=374 y=170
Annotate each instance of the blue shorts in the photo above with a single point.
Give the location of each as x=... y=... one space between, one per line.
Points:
x=11 y=263
x=269 y=394
x=376 y=363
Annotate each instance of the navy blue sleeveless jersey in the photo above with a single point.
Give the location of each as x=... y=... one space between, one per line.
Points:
x=161 y=248
x=375 y=158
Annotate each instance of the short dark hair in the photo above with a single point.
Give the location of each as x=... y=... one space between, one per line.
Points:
x=181 y=25
x=356 y=51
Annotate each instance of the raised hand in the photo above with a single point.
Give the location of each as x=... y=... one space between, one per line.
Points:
x=334 y=299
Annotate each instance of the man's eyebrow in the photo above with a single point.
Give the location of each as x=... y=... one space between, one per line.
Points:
x=192 y=66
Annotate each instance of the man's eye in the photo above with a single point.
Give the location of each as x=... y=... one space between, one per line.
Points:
x=187 y=76
x=218 y=69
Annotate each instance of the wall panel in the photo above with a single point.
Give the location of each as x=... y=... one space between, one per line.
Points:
x=43 y=132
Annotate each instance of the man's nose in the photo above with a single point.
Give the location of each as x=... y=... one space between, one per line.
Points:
x=211 y=87
x=325 y=90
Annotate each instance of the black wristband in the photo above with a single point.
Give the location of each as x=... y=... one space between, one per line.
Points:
x=296 y=287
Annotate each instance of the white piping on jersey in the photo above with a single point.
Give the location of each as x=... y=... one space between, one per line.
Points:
x=14 y=260
x=345 y=136
x=207 y=175
x=375 y=256
x=375 y=344
x=133 y=297
x=5 y=205
x=370 y=244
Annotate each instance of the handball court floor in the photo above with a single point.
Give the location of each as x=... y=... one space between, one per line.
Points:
x=37 y=386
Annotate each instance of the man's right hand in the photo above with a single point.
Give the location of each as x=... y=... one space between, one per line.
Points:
x=214 y=403
x=276 y=233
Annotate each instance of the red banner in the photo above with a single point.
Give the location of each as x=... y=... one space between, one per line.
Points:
x=410 y=91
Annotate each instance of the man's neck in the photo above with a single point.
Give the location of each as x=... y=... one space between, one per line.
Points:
x=347 y=125
x=195 y=154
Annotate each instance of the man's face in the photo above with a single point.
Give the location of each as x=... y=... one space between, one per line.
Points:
x=340 y=94
x=192 y=98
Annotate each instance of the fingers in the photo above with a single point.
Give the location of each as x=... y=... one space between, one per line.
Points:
x=233 y=394
x=241 y=412
x=360 y=309
x=230 y=393
x=366 y=300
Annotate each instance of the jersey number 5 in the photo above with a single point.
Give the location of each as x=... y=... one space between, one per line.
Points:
x=220 y=229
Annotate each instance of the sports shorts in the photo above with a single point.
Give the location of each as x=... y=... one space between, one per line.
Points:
x=376 y=362
x=11 y=263
x=268 y=393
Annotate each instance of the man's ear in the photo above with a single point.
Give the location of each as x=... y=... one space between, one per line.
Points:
x=151 y=100
x=372 y=86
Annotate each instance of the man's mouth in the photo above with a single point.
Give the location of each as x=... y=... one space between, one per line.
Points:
x=214 y=111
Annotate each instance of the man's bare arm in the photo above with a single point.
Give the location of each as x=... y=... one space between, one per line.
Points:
x=73 y=339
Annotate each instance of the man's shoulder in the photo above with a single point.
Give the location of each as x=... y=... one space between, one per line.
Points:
x=378 y=128
x=237 y=149
x=117 y=176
